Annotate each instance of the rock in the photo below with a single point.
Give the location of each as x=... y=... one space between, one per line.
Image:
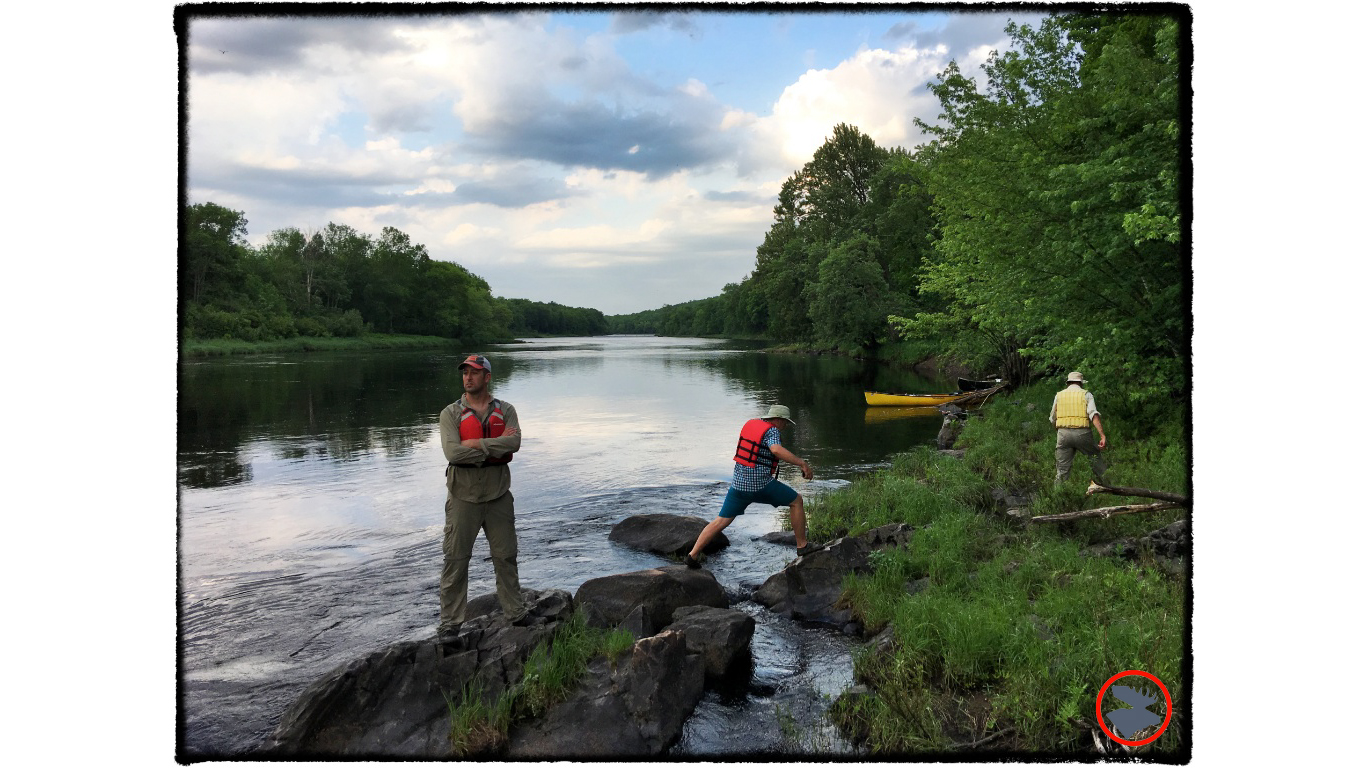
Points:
x=1171 y=542
x=957 y=453
x=948 y=432
x=779 y=537
x=635 y=708
x=392 y=703
x=664 y=534
x=609 y=601
x=721 y=636
x=810 y=588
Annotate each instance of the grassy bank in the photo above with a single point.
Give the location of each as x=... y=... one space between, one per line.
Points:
x=999 y=631
x=224 y=347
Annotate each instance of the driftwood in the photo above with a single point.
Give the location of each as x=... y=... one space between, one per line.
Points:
x=977 y=397
x=1125 y=509
x=1177 y=498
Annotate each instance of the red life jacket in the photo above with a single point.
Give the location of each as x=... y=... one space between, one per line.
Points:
x=472 y=427
x=751 y=440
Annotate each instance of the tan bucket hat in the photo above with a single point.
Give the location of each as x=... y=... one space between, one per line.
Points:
x=780 y=412
x=1075 y=376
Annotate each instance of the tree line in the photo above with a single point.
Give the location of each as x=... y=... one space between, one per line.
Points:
x=1039 y=229
x=341 y=282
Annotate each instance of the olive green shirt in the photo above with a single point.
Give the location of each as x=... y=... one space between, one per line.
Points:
x=477 y=484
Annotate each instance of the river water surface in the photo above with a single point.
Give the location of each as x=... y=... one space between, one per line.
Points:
x=312 y=492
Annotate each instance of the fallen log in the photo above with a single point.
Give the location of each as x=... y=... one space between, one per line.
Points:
x=1096 y=487
x=1106 y=512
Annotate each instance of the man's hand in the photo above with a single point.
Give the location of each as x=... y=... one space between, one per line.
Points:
x=1101 y=444
x=807 y=473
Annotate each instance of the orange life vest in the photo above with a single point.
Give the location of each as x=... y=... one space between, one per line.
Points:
x=751 y=440
x=472 y=427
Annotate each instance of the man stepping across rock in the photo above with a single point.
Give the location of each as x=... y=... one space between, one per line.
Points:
x=755 y=478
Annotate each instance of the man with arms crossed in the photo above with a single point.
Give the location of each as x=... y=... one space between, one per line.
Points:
x=479 y=434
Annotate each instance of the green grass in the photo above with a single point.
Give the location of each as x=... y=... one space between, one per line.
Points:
x=224 y=347
x=480 y=726
x=1012 y=629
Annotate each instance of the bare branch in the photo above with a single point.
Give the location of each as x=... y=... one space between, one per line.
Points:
x=1106 y=512
x=1097 y=487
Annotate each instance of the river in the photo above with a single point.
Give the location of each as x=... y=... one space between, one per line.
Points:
x=311 y=493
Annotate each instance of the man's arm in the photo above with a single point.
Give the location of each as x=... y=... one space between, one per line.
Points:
x=1053 y=412
x=791 y=458
x=1095 y=419
x=511 y=439
x=457 y=451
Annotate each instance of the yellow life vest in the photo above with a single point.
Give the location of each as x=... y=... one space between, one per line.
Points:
x=1071 y=409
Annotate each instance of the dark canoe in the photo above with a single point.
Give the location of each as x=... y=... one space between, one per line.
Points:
x=969 y=385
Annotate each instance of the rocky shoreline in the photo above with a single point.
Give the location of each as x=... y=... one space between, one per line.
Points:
x=393 y=703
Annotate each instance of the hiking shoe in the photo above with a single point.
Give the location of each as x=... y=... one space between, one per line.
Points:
x=447 y=633
x=524 y=619
x=691 y=561
x=808 y=549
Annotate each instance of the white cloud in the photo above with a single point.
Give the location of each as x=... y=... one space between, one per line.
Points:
x=876 y=90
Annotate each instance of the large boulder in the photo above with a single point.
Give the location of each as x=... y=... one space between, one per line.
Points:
x=664 y=534
x=644 y=601
x=632 y=708
x=721 y=636
x=392 y=703
x=810 y=588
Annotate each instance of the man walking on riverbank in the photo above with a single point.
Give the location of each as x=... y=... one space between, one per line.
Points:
x=1073 y=413
x=755 y=478
x=479 y=435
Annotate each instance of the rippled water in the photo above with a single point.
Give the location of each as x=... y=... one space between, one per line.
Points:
x=311 y=509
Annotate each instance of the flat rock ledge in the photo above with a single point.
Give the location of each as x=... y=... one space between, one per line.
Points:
x=809 y=589
x=644 y=602
x=392 y=703
x=664 y=534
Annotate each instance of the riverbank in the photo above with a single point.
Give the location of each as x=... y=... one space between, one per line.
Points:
x=226 y=347
x=991 y=633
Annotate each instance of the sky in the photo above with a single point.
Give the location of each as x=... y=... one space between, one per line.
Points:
x=621 y=160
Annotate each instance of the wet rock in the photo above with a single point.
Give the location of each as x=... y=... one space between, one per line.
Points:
x=392 y=703
x=651 y=595
x=664 y=534
x=948 y=433
x=779 y=537
x=721 y=636
x=631 y=709
x=810 y=588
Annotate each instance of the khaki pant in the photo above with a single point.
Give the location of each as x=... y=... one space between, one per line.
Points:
x=463 y=521
x=1071 y=440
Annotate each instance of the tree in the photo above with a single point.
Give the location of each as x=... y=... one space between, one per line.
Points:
x=1055 y=196
x=215 y=241
x=851 y=300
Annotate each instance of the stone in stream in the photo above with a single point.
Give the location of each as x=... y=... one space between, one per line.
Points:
x=664 y=534
x=809 y=589
x=720 y=635
x=644 y=602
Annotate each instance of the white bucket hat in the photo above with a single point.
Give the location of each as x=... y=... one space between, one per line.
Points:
x=1075 y=376
x=780 y=412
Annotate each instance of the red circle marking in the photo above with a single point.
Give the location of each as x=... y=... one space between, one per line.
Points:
x=1106 y=687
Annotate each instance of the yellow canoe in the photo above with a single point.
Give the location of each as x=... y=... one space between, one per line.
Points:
x=882 y=399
